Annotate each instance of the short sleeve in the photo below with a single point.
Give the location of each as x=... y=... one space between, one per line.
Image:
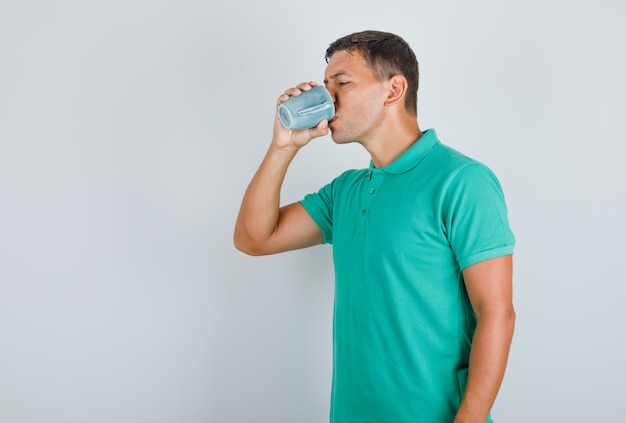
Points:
x=475 y=216
x=319 y=205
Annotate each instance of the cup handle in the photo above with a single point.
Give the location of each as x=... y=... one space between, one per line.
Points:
x=315 y=109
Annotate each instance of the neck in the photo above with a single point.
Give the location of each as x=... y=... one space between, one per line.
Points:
x=393 y=140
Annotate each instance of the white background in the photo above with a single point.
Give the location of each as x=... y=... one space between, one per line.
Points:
x=130 y=129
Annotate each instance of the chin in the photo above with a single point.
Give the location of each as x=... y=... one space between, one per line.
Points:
x=336 y=136
x=339 y=140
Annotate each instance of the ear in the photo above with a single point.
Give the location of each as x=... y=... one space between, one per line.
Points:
x=396 y=88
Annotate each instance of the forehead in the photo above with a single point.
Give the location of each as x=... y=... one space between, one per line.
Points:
x=344 y=62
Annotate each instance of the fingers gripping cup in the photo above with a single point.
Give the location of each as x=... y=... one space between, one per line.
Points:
x=307 y=109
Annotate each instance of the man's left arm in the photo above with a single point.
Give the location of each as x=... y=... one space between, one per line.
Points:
x=489 y=286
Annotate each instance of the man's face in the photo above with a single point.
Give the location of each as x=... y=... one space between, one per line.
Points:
x=359 y=98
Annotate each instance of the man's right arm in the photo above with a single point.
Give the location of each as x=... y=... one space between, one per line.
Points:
x=263 y=227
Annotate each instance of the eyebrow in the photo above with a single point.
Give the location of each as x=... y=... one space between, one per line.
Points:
x=335 y=75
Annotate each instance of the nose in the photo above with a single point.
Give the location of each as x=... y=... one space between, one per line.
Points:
x=332 y=95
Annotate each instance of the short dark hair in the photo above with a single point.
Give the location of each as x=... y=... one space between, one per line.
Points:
x=387 y=55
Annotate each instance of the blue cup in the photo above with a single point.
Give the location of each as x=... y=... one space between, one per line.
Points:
x=307 y=109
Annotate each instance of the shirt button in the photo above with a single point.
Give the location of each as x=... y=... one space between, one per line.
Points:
x=372 y=191
x=364 y=211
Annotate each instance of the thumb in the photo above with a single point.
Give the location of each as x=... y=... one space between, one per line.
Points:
x=320 y=130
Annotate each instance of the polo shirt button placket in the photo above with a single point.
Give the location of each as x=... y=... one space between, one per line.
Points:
x=368 y=198
x=372 y=181
x=371 y=191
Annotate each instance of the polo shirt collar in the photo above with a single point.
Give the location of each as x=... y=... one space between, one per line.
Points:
x=412 y=156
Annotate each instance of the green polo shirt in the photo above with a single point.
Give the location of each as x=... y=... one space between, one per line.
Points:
x=403 y=323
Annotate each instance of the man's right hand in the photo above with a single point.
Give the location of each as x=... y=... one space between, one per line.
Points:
x=288 y=138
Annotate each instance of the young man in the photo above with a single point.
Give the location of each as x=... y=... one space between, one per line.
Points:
x=421 y=244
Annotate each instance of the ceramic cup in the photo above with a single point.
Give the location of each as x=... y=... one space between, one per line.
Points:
x=307 y=109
